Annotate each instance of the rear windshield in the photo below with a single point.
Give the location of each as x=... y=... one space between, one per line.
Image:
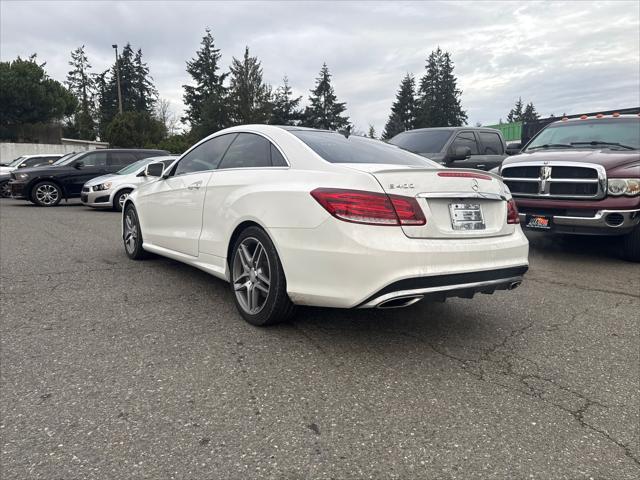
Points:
x=336 y=148
x=425 y=141
x=613 y=133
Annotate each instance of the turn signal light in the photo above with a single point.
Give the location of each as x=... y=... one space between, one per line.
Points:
x=370 y=208
x=512 y=212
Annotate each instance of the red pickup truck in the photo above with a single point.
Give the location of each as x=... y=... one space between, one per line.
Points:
x=581 y=176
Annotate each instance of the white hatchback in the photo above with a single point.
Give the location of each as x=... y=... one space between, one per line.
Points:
x=295 y=216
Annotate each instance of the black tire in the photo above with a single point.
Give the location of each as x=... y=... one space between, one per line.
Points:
x=271 y=307
x=46 y=194
x=119 y=198
x=132 y=234
x=631 y=245
x=5 y=189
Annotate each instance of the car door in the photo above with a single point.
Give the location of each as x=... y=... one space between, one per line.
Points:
x=170 y=209
x=492 y=148
x=92 y=165
x=250 y=161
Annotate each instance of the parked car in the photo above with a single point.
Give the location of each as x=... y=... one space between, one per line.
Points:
x=110 y=191
x=581 y=176
x=47 y=186
x=460 y=147
x=26 y=161
x=295 y=216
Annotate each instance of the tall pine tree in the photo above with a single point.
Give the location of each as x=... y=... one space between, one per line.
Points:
x=324 y=110
x=515 y=114
x=206 y=101
x=438 y=94
x=285 y=110
x=250 y=96
x=80 y=82
x=145 y=94
x=530 y=114
x=403 y=110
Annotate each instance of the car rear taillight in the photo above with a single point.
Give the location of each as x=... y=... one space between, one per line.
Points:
x=512 y=212
x=370 y=207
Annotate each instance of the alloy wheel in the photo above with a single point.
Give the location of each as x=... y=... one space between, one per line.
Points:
x=5 y=190
x=122 y=198
x=251 y=275
x=130 y=231
x=47 y=194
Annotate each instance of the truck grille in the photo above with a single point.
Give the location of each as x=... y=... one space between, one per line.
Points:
x=556 y=180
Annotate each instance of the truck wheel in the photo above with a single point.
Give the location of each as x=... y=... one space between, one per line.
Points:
x=631 y=246
x=46 y=194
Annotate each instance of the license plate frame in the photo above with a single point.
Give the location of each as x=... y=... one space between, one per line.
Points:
x=466 y=216
x=538 y=222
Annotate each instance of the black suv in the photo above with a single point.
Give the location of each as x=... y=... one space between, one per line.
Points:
x=46 y=186
x=460 y=147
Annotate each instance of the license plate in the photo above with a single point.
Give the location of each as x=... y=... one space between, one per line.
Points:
x=466 y=216
x=538 y=222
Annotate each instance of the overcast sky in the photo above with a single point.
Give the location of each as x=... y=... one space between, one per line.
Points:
x=568 y=57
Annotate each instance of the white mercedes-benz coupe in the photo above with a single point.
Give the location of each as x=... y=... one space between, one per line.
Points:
x=295 y=216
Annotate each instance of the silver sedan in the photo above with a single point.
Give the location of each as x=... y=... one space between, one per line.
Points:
x=110 y=191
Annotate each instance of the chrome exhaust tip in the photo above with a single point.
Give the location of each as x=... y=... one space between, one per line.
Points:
x=514 y=285
x=400 y=302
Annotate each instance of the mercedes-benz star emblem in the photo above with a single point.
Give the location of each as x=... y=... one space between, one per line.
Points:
x=474 y=185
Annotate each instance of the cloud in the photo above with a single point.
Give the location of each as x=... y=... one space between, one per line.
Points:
x=564 y=56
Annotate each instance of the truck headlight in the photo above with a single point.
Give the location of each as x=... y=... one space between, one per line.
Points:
x=102 y=186
x=623 y=186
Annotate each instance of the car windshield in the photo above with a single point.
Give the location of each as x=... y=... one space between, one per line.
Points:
x=336 y=148
x=422 y=141
x=67 y=159
x=613 y=133
x=14 y=163
x=145 y=161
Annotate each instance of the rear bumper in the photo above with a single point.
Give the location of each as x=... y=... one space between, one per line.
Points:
x=348 y=265
x=603 y=222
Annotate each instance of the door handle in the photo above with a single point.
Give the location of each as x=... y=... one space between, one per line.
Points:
x=195 y=185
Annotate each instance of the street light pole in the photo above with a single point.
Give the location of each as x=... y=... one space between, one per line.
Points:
x=115 y=46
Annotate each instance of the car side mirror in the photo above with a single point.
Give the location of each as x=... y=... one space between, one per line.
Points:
x=154 y=170
x=460 y=153
x=513 y=148
x=22 y=165
x=78 y=165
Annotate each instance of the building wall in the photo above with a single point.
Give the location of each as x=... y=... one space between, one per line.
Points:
x=9 y=151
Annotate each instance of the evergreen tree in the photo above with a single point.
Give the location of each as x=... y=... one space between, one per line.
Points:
x=372 y=132
x=438 y=94
x=250 y=97
x=403 y=110
x=285 y=109
x=206 y=101
x=81 y=83
x=530 y=113
x=138 y=92
x=324 y=110
x=515 y=114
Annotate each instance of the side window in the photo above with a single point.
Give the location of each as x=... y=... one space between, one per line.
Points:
x=121 y=159
x=95 y=159
x=491 y=143
x=466 y=139
x=35 y=161
x=277 y=160
x=248 y=151
x=205 y=156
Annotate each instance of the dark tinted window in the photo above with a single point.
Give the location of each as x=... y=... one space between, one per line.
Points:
x=335 y=148
x=248 y=151
x=491 y=143
x=426 y=141
x=277 y=160
x=35 y=161
x=149 y=153
x=120 y=159
x=205 y=156
x=466 y=139
x=95 y=159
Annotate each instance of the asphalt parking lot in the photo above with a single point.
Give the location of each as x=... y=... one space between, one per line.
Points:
x=119 y=369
